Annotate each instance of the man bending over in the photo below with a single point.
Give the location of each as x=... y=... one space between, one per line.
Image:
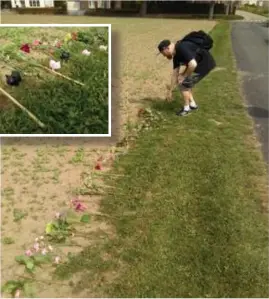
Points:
x=198 y=63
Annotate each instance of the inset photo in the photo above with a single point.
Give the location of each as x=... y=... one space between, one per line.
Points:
x=55 y=80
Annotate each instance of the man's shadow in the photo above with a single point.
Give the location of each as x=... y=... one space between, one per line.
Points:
x=161 y=104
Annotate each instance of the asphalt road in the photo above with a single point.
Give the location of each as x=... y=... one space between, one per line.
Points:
x=250 y=43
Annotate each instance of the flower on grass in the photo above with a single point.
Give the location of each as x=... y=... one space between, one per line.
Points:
x=57 y=260
x=78 y=205
x=86 y=52
x=140 y=111
x=74 y=36
x=54 y=64
x=50 y=248
x=41 y=238
x=68 y=37
x=29 y=252
x=98 y=166
x=36 y=42
x=57 y=43
x=44 y=251
x=102 y=47
x=36 y=247
x=25 y=48
x=17 y=294
x=57 y=215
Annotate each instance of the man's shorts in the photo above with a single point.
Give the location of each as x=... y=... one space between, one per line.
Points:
x=205 y=65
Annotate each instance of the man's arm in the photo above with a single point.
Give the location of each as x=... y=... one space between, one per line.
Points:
x=174 y=78
x=191 y=66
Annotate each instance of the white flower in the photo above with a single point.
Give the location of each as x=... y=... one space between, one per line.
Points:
x=50 y=248
x=86 y=52
x=36 y=246
x=57 y=215
x=44 y=251
x=36 y=239
x=57 y=260
x=55 y=65
x=17 y=294
x=41 y=238
x=103 y=47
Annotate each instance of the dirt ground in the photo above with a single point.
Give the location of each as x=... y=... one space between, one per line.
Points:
x=40 y=176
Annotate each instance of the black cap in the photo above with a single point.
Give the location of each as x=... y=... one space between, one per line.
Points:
x=163 y=44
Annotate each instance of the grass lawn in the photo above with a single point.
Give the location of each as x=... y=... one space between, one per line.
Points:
x=64 y=106
x=187 y=210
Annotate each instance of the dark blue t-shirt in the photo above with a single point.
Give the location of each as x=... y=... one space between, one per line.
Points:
x=186 y=51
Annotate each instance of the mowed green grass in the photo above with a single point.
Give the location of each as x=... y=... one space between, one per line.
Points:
x=187 y=208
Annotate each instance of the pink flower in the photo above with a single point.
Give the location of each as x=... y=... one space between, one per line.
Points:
x=80 y=207
x=28 y=252
x=36 y=246
x=37 y=42
x=17 y=294
x=57 y=260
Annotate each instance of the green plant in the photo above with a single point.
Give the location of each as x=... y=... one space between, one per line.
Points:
x=16 y=286
x=31 y=262
x=8 y=240
x=19 y=214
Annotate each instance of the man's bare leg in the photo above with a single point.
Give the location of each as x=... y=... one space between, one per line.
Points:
x=187 y=97
x=192 y=102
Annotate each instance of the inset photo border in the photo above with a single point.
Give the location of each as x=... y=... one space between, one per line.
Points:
x=55 y=80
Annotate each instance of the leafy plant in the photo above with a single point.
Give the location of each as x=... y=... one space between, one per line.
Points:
x=13 y=286
x=31 y=262
x=8 y=240
x=58 y=230
x=19 y=214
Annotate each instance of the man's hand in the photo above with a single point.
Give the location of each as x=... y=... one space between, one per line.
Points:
x=180 y=79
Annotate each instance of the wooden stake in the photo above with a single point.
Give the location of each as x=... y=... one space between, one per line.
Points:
x=61 y=75
x=22 y=108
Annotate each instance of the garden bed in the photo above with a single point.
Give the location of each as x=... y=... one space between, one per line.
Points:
x=72 y=99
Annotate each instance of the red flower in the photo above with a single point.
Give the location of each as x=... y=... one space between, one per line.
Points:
x=140 y=111
x=98 y=166
x=25 y=48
